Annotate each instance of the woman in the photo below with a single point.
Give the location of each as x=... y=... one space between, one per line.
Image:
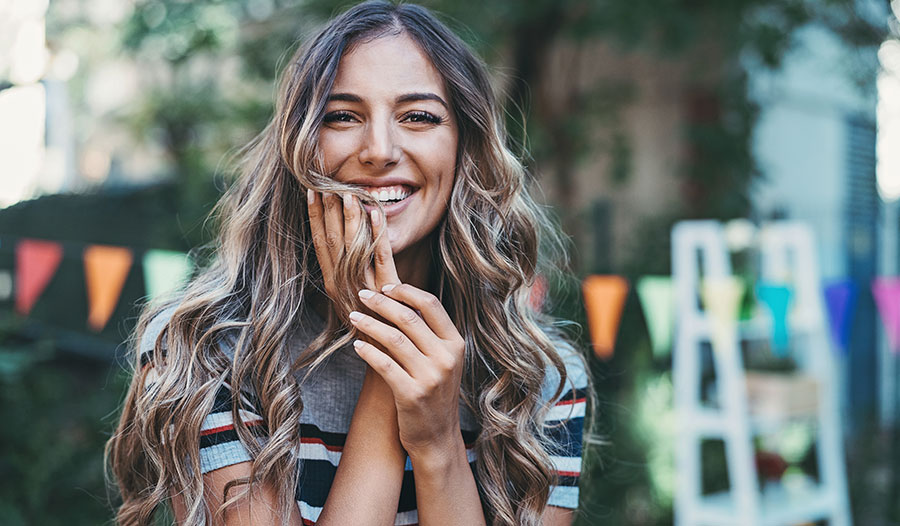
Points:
x=367 y=314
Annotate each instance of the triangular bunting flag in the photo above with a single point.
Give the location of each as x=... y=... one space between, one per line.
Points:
x=748 y=304
x=840 y=299
x=604 y=298
x=165 y=271
x=658 y=301
x=777 y=298
x=722 y=300
x=887 y=297
x=36 y=263
x=105 y=270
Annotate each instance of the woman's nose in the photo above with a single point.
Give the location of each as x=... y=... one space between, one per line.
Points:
x=380 y=149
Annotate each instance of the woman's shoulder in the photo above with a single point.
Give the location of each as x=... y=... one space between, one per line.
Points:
x=576 y=373
x=153 y=329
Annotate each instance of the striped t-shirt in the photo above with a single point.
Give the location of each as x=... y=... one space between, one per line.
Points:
x=329 y=397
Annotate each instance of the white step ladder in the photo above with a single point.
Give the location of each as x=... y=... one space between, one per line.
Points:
x=787 y=254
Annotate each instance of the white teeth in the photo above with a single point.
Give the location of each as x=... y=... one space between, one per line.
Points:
x=389 y=195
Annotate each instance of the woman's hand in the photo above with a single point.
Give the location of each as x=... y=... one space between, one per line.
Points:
x=334 y=221
x=423 y=364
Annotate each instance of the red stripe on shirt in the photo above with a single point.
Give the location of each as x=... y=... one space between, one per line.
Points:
x=316 y=440
x=228 y=427
x=571 y=401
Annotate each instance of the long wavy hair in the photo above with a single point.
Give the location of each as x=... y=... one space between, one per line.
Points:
x=264 y=272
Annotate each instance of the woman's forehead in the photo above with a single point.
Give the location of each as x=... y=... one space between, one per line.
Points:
x=387 y=66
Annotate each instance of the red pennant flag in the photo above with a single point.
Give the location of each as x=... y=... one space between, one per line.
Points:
x=105 y=270
x=36 y=263
x=604 y=298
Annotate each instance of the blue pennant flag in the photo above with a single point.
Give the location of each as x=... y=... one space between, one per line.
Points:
x=778 y=299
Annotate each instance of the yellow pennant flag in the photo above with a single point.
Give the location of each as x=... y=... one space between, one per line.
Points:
x=722 y=301
x=105 y=270
x=604 y=298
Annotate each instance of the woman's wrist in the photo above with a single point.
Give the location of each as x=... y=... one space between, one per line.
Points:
x=438 y=456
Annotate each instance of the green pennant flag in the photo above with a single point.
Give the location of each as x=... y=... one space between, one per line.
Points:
x=165 y=271
x=658 y=301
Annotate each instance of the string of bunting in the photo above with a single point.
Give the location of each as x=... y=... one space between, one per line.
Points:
x=107 y=267
x=725 y=301
x=105 y=271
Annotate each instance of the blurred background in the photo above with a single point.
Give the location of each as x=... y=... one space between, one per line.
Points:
x=119 y=125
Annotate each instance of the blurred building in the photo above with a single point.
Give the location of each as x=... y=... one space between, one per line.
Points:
x=60 y=109
x=815 y=144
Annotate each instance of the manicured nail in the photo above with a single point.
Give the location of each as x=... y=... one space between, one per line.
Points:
x=355 y=316
x=366 y=294
x=310 y=196
x=376 y=217
x=348 y=201
x=388 y=287
x=358 y=344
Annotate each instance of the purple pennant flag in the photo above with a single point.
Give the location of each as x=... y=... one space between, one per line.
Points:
x=887 y=298
x=840 y=299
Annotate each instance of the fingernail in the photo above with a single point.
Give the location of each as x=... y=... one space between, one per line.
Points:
x=310 y=196
x=376 y=217
x=388 y=287
x=348 y=201
x=358 y=344
x=355 y=316
x=366 y=294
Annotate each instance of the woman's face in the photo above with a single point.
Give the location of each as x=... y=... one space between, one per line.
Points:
x=388 y=129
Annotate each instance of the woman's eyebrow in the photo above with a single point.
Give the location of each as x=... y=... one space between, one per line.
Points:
x=412 y=97
x=346 y=97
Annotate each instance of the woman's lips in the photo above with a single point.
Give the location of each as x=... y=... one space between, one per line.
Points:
x=393 y=208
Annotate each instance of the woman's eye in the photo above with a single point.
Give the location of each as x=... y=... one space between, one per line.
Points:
x=338 y=116
x=422 y=116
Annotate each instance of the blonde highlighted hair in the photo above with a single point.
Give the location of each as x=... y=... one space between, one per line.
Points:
x=485 y=256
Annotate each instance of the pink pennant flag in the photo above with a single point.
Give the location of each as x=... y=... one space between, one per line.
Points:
x=36 y=263
x=887 y=297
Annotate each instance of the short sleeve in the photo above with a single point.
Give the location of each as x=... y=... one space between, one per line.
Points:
x=219 y=443
x=564 y=427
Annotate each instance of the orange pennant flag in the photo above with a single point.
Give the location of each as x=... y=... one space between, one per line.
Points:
x=105 y=270
x=604 y=299
x=36 y=263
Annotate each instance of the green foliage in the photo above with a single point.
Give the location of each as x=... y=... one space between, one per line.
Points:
x=56 y=417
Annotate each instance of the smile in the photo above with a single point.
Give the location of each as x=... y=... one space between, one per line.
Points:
x=390 y=194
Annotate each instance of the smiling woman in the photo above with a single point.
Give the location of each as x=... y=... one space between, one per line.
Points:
x=389 y=130
x=362 y=349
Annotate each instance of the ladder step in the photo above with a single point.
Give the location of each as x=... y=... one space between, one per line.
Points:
x=779 y=506
x=713 y=423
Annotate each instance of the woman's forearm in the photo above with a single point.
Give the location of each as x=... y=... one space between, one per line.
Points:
x=445 y=486
x=366 y=487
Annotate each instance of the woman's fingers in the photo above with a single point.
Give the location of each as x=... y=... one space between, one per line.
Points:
x=397 y=379
x=385 y=271
x=317 y=228
x=429 y=306
x=352 y=219
x=400 y=347
x=402 y=317
x=334 y=226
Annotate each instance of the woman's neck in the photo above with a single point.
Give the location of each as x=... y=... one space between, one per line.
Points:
x=414 y=264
